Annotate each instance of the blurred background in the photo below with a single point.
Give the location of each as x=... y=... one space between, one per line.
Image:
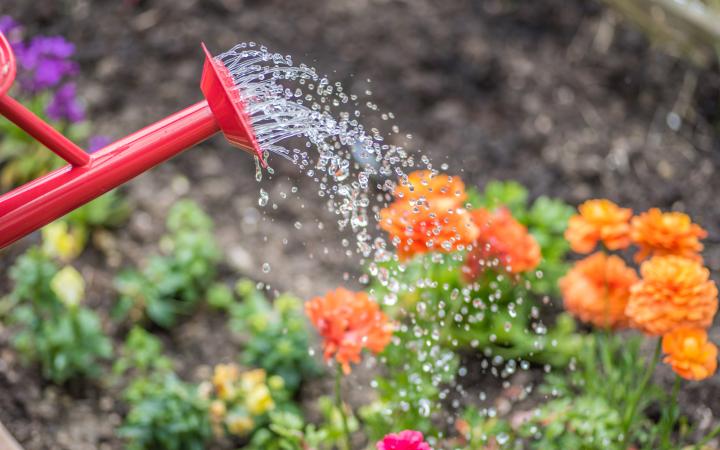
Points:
x=575 y=99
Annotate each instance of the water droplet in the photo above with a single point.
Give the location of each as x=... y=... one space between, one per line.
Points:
x=263 y=199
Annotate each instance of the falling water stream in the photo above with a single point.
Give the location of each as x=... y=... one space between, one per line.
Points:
x=314 y=123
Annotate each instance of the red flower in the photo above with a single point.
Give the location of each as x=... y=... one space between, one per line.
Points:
x=504 y=239
x=405 y=440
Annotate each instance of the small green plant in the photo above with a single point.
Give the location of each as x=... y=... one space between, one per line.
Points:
x=277 y=335
x=55 y=331
x=141 y=353
x=287 y=430
x=172 y=284
x=409 y=390
x=165 y=413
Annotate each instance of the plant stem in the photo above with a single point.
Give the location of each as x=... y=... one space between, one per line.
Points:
x=635 y=398
x=341 y=408
x=669 y=424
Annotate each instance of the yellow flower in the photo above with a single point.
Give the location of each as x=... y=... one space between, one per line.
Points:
x=239 y=425
x=59 y=241
x=252 y=378
x=258 y=401
x=69 y=286
x=276 y=382
x=217 y=410
x=224 y=378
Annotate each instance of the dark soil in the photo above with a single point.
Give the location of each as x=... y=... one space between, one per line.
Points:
x=557 y=94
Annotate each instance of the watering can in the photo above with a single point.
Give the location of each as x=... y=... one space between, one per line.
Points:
x=87 y=176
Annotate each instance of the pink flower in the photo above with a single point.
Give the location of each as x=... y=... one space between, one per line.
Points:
x=405 y=440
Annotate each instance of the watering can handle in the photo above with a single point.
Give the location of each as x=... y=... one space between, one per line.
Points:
x=28 y=121
x=39 y=202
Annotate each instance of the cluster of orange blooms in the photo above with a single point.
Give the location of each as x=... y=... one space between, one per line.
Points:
x=674 y=297
x=429 y=215
x=348 y=322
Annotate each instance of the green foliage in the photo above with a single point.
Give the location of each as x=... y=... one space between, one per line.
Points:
x=172 y=284
x=409 y=391
x=586 y=422
x=287 y=430
x=22 y=158
x=165 y=413
x=592 y=407
x=54 y=330
x=107 y=211
x=278 y=339
x=142 y=353
x=609 y=370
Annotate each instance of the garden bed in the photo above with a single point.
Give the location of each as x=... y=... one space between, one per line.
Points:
x=557 y=95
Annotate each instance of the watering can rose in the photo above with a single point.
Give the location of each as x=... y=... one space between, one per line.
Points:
x=348 y=322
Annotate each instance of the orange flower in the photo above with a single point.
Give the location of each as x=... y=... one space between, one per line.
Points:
x=690 y=354
x=348 y=322
x=671 y=233
x=423 y=186
x=416 y=227
x=502 y=238
x=597 y=288
x=599 y=220
x=674 y=293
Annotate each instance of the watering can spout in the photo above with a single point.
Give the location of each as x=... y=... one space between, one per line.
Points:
x=35 y=204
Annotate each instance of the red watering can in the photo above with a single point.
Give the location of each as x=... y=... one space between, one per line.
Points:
x=87 y=176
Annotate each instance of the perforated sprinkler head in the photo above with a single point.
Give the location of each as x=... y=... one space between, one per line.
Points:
x=227 y=106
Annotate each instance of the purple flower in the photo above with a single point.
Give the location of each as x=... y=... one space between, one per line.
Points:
x=10 y=29
x=46 y=62
x=97 y=142
x=64 y=105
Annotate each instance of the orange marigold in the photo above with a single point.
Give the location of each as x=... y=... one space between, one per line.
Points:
x=599 y=220
x=597 y=288
x=674 y=293
x=671 y=233
x=348 y=322
x=690 y=354
x=425 y=186
x=504 y=239
x=416 y=228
